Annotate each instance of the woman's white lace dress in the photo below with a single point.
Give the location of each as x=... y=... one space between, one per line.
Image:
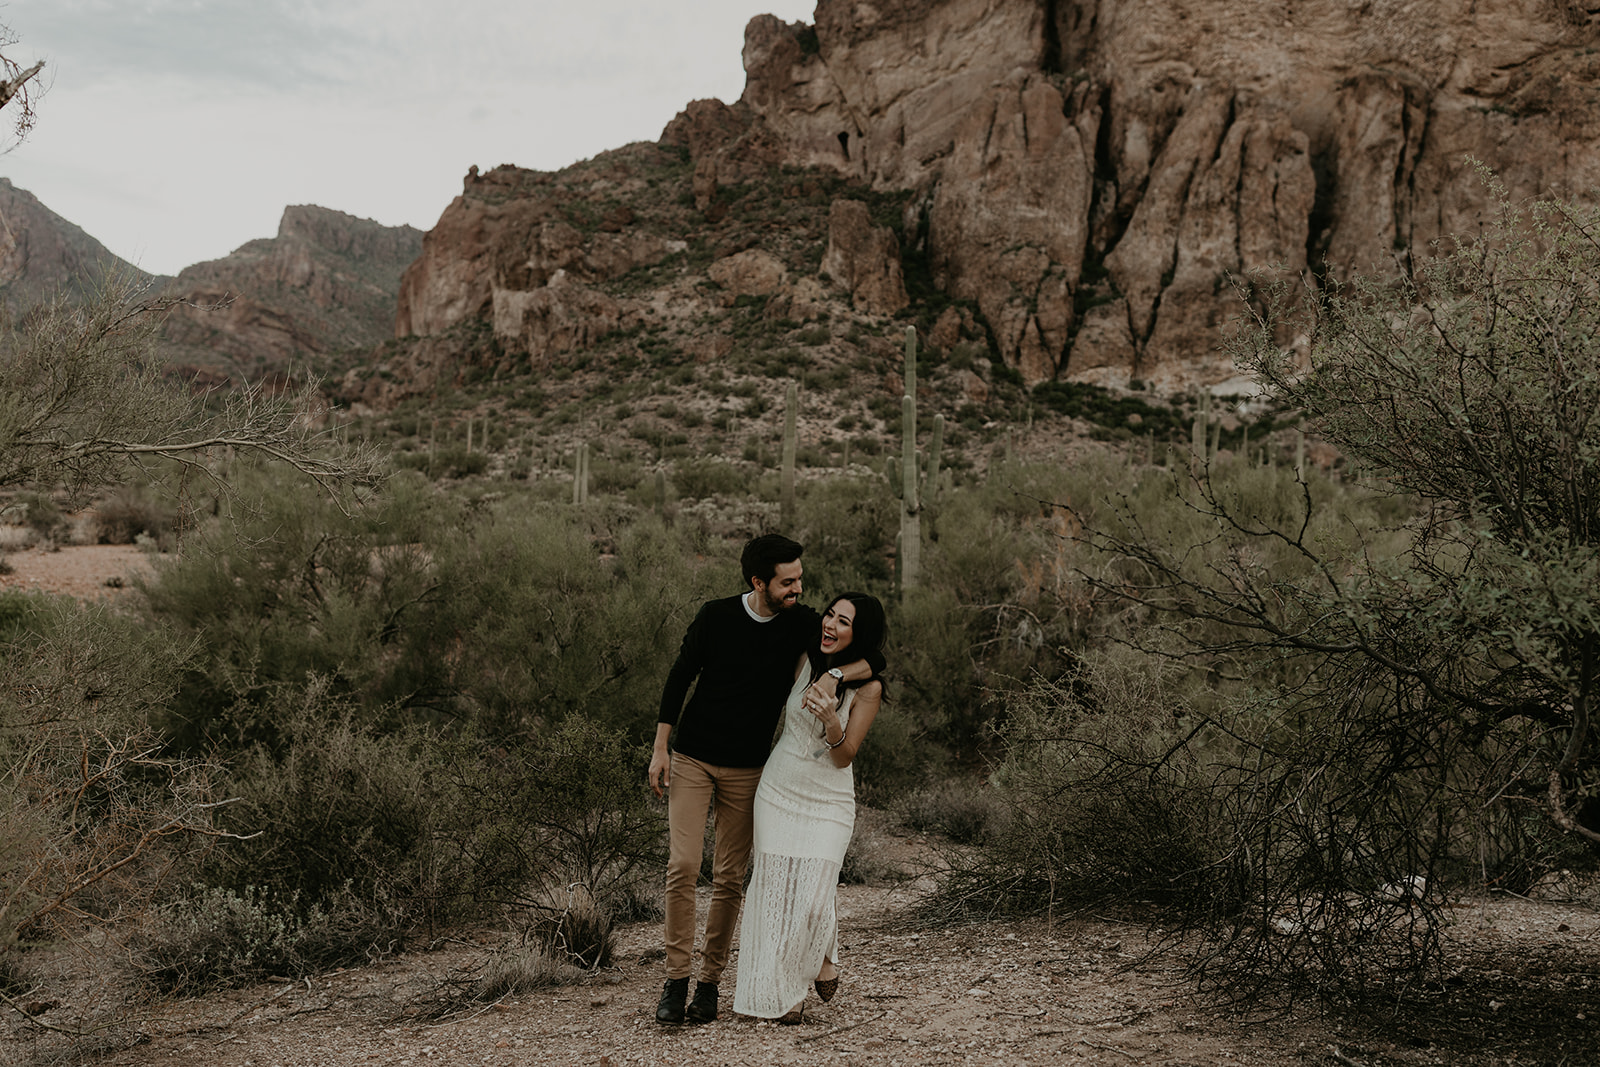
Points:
x=805 y=811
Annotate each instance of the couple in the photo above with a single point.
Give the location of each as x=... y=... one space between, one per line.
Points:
x=746 y=651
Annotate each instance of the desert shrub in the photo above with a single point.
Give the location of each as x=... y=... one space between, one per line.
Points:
x=519 y=969
x=18 y=613
x=1096 y=809
x=134 y=512
x=1096 y=404
x=214 y=938
x=446 y=461
x=900 y=755
x=848 y=525
x=958 y=808
x=560 y=827
x=39 y=512
x=571 y=925
x=708 y=476
x=15 y=538
x=614 y=476
x=545 y=630
x=423 y=607
x=90 y=807
x=336 y=812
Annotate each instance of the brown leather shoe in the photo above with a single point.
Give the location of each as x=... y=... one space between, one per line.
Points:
x=827 y=987
x=794 y=1016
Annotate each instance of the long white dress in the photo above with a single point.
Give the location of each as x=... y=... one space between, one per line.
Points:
x=805 y=811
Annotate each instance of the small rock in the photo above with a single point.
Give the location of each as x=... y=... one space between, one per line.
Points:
x=599 y=1002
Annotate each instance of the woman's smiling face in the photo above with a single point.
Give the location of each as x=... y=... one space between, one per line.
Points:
x=838 y=627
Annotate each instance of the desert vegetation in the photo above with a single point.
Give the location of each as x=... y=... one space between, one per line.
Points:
x=1290 y=708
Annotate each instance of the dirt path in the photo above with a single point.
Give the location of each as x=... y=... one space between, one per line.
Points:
x=1001 y=993
x=987 y=994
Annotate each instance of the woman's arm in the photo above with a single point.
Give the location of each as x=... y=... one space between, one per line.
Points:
x=843 y=744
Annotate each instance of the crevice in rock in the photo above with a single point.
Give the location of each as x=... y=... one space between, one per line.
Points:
x=1228 y=118
x=1405 y=179
x=844 y=144
x=1050 y=61
x=1319 y=227
x=1068 y=35
x=1105 y=181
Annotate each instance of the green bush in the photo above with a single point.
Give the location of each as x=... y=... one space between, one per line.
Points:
x=338 y=812
x=1097 y=810
x=39 y=512
x=447 y=461
x=131 y=513
x=565 y=811
x=215 y=938
x=956 y=808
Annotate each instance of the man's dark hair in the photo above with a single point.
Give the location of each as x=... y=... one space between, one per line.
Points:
x=762 y=555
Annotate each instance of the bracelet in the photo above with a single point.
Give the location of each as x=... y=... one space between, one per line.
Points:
x=832 y=744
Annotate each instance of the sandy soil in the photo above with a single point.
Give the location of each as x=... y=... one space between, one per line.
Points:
x=1012 y=993
x=88 y=572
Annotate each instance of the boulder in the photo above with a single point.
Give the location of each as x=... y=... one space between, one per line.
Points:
x=864 y=259
x=753 y=272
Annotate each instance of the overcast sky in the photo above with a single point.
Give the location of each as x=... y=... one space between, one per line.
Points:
x=175 y=130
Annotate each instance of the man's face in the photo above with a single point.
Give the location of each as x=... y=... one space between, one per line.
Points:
x=783 y=592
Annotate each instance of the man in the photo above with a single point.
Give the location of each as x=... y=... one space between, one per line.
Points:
x=743 y=650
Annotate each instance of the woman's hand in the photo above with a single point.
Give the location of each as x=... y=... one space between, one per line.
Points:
x=821 y=695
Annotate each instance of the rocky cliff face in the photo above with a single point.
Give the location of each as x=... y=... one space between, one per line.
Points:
x=1167 y=143
x=326 y=284
x=1086 y=174
x=42 y=254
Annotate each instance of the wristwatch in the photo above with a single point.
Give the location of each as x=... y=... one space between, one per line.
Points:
x=838 y=675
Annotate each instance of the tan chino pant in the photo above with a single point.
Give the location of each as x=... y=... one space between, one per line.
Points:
x=695 y=788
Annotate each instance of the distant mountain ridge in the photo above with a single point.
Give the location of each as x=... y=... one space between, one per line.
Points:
x=42 y=254
x=326 y=284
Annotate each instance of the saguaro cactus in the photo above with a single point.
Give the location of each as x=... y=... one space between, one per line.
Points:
x=791 y=414
x=910 y=560
x=580 y=474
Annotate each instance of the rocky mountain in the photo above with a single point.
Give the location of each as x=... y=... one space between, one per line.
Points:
x=1072 y=182
x=325 y=285
x=42 y=254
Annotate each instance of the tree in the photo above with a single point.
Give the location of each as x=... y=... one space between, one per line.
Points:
x=18 y=85
x=82 y=401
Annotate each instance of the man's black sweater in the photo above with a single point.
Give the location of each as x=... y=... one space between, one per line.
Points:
x=745 y=670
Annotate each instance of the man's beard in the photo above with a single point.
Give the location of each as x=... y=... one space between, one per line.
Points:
x=778 y=604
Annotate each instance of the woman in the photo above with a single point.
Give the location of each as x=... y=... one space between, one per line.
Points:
x=805 y=810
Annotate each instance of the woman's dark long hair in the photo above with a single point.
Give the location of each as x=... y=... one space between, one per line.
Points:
x=867 y=634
